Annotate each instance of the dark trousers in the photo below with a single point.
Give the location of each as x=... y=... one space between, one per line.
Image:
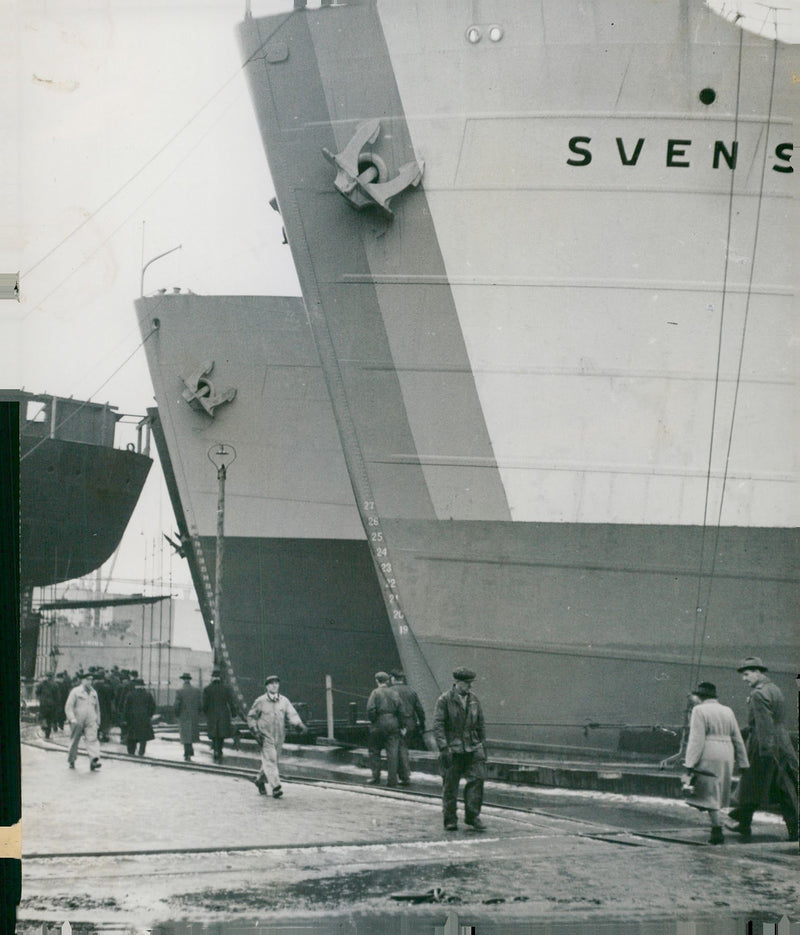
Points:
x=786 y=803
x=744 y=815
x=188 y=749
x=770 y=782
x=381 y=738
x=49 y=724
x=131 y=745
x=474 y=771
x=403 y=761
x=217 y=744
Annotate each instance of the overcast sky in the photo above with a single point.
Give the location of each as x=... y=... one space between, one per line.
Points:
x=135 y=133
x=128 y=129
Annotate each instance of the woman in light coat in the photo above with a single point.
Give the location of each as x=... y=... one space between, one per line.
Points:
x=715 y=744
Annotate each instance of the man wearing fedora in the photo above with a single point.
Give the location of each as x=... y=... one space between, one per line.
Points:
x=772 y=777
x=188 y=702
x=219 y=707
x=267 y=720
x=140 y=706
x=459 y=730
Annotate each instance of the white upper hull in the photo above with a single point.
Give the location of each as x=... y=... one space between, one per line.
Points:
x=594 y=299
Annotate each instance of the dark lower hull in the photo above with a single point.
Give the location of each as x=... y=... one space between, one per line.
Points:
x=75 y=503
x=300 y=608
x=580 y=632
x=303 y=609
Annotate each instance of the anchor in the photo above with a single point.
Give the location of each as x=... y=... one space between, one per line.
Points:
x=360 y=176
x=200 y=392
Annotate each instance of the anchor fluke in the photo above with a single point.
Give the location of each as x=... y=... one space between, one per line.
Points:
x=201 y=393
x=361 y=175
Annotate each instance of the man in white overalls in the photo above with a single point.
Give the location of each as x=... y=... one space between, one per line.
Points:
x=83 y=713
x=267 y=720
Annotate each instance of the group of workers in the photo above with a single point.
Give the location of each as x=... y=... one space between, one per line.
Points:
x=767 y=759
x=396 y=716
x=83 y=710
x=112 y=687
x=91 y=704
x=715 y=745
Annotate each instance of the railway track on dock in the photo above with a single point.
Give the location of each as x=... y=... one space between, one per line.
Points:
x=195 y=840
x=502 y=802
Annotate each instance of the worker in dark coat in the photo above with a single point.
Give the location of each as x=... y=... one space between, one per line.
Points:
x=219 y=706
x=188 y=703
x=412 y=724
x=105 y=696
x=460 y=734
x=715 y=745
x=64 y=688
x=124 y=689
x=384 y=714
x=49 y=696
x=140 y=706
x=772 y=778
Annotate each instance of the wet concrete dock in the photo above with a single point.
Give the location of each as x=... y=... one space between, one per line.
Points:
x=148 y=844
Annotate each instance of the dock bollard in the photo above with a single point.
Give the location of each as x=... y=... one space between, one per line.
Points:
x=329 y=704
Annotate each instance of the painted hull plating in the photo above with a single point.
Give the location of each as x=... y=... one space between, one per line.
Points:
x=299 y=594
x=77 y=491
x=76 y=502
x=563 y=368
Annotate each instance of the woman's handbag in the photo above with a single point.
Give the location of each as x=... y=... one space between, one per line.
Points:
x=689 y=779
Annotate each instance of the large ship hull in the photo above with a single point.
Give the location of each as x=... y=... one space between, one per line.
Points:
x=559 y=348
x=299 y=595
x=77 y=491
x=76 y=503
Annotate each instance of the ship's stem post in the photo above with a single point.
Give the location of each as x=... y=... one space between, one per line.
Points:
x=221 y=456
x=221 y=471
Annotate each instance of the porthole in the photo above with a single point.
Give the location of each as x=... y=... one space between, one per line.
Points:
x=473 y=35
x=495 y=33
x=708 y=96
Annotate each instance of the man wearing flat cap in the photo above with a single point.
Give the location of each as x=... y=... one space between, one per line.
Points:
x=772 y=777
x=267 y=720
x=459 y=730
x=385 y=715
x=83 y=713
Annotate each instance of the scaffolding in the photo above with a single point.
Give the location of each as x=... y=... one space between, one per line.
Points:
x=155 y=638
